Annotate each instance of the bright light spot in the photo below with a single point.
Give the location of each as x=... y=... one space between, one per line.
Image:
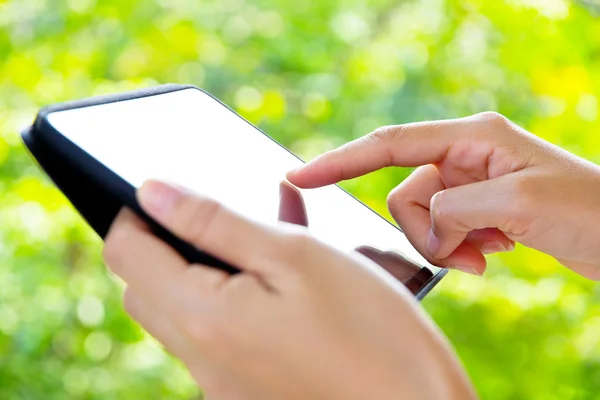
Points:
x=574 y=304
x=525 y=295
x=248 y=99
x=52 y=299
x=587 y=107
x=227 y=5
x=547 y=291
x=237 y=29
x=109 y=27
x=269 y=24
x=192 y=73
x=90 y=311
x=9 y=320
x=471 y=44
x=101 y=380
x=132 y=61
x=51 y=86
x=431 y=14
x=142 y=355
x=379 y=65
x=97 y=345
x=76 y=381
x=274 y=104
x=81 y=6
x=553 y=9
x=329 y=85
x=350 y=26
x=315 y=106
x=410 y=19
x=588 y=341
x=212 y=51
x=17 y=120
x=520 y=290
x=34 y=219
x=415 y=55
x=552 y=106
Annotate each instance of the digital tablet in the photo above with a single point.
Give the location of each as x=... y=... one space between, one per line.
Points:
x=98 y=151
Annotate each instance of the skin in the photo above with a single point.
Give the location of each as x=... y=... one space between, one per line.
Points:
x=304 y=320
x=293 y=210
x=482 y=184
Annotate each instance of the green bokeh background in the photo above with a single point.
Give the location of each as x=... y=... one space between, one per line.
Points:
x=314 y=74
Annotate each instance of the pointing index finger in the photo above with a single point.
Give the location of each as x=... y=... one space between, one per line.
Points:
x=407 y=145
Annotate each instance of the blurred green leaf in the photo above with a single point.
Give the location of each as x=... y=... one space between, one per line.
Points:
x=314 y=74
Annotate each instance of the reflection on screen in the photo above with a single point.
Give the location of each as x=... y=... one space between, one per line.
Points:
x=189 y=138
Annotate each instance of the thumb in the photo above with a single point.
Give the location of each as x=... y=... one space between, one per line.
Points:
x=291 y=205
x=457 y=211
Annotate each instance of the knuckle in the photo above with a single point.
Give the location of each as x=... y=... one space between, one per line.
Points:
x=383 y=133
x=197 y=218
x=523 y=196
x=388 y=134
x=439 y=208
x=396 y=201
x=209 y=279
x=387 y=137
x=443 y=214
x=493 y=119
x=491 y=116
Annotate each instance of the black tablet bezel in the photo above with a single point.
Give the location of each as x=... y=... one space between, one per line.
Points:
x=45 y=138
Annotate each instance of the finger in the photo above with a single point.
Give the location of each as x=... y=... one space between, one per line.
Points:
x=150 y=267
x=457 y=211
x=211 y=227
x=402 y=145
x=409 y=206
x=401 y=268
x=422 y=185
x=137 y=256
x=490 y=240
x=411 y=275
x=126 y=216
x=417 y=282
x=291 y=205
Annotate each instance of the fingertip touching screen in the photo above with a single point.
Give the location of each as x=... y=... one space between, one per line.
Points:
x=189 y=138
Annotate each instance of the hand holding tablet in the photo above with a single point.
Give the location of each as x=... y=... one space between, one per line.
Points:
x=100 y=150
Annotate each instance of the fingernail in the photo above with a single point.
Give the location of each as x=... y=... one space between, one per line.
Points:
x=158 y=198
x=433 y=244
x=468 y=270
x=295 y=170
x=496 y=247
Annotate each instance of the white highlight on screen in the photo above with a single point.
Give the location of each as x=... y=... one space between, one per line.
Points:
x=189 y=138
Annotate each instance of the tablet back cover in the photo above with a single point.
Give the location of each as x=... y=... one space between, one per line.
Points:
x=94 y=204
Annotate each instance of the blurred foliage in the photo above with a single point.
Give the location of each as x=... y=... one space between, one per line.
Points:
x=314 y=74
